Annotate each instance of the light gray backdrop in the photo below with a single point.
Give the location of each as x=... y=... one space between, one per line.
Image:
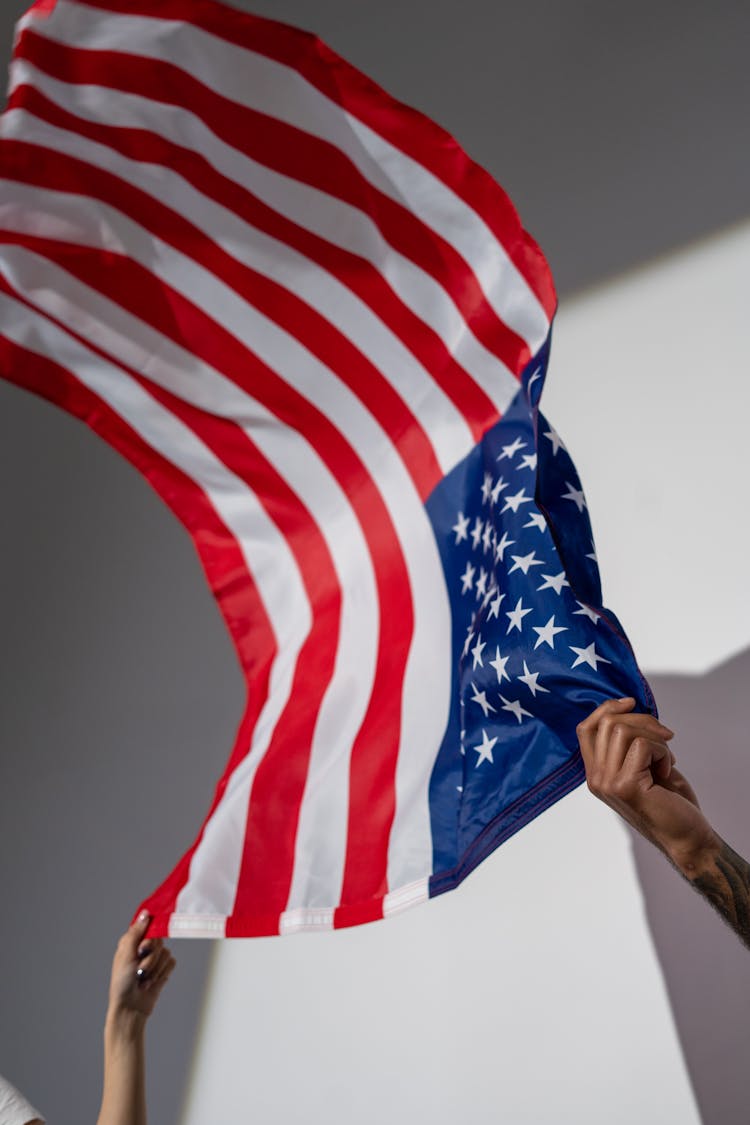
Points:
x=621 y=132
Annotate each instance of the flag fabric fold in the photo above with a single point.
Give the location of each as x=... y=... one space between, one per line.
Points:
x=320 y=332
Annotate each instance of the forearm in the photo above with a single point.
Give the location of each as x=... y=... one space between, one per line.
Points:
x=723 y=878
x=124 y=1095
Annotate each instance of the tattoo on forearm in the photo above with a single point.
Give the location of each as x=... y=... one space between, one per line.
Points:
x=727 y=888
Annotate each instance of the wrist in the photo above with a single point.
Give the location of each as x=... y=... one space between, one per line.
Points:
x=694 y=857
x=123 y=1025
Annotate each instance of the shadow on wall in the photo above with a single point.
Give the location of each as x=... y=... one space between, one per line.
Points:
x=705 y=968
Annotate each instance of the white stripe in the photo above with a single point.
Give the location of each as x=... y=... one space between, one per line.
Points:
x=197 y=925
x=265 y=552
x=259 y=83
x=444 y=425
x=323 y=821
x=337 y=222
x=305 y=921
x=296 y=921
x=408 y=895
x=130 y=341
x=505 y=288
x=424 y=714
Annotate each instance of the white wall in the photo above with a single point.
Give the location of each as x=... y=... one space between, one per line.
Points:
x=650 y=389
x=533 y=993
x=516 y=998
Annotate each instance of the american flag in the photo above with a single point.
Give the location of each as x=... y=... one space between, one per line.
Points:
x=320 y=332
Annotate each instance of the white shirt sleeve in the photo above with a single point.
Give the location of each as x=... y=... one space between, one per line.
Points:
x=14 y=1109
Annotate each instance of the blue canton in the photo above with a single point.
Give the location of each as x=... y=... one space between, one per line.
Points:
x=534 y=649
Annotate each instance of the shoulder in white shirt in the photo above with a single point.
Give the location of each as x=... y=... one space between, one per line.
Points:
x=14 y=1109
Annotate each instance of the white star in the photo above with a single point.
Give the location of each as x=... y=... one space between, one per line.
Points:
x=588 y=656
x=515 y=708
x=547 y=633
x=554 y=582
x=467 y=578
x=495 y=606
x=523 y=562
x=533 y=378
x=530 y=679
x=554 y=437
x=487 y=537
x=528 y=461
x=511 y=450
x=502 y=546
x=480 y=697
x=491 y=591
x=593 y=555
x=500 y=484
x=461 y=528
x=485 y=750
x=469 y=639
x=586 y=611
x=486 y=487
x=516 y=501
x=537 y=520
x=499 y=665
x=576 y=495
x=476 y=652
x=516 y=616
x=476 y=532
x=481 y=586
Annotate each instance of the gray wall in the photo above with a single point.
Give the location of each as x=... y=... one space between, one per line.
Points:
x=119 y=701
x=704 y=966
x=621 y=132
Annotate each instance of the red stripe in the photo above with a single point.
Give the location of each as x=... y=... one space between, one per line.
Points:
x=358 y=913
x=42 y=8
x=349 y=269
x=221 y=558
x=55 y=171
x=402 y=126
x=375 y=749
x=307 y=159
x=278 y=787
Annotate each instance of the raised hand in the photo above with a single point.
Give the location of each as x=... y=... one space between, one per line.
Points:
x=140 y=969
x=631 y=767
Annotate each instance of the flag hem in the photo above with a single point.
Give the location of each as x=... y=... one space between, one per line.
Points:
x=545 y=794
x=557 y=785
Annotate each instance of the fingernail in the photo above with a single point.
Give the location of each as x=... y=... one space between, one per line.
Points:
x=142 y=975
x=144 y=916
x=144 y=951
